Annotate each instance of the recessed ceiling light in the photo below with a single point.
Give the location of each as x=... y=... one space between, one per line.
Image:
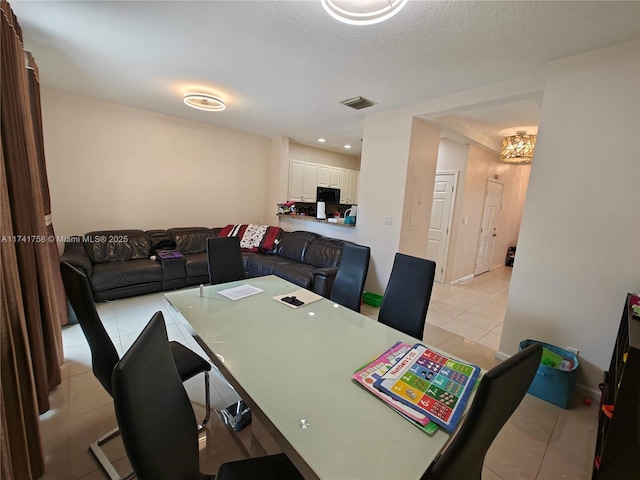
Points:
x=204 y=101
x=347 y=147
x=321 y=140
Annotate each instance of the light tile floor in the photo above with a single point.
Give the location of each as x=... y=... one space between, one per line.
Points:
x=473 y=309
x=540 y=441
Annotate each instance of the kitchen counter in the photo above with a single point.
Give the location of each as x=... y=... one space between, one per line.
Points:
x=309 y=218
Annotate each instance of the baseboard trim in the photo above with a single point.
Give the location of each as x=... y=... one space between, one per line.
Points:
x=463 y=279
x=593 y=393
x=501 y=355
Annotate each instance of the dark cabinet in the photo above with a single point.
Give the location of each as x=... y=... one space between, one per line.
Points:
x=617 y=455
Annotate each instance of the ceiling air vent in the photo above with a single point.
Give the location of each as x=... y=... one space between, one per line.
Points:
x=358 y=103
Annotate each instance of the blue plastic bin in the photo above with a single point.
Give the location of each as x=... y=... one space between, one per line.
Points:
x=553 y=384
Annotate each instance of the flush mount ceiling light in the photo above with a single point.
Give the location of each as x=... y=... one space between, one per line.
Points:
x=518 y=148
x=204 y=101
x=362 y=12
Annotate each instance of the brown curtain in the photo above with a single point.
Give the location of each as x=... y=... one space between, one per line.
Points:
x=51 y=243
x=32 y=306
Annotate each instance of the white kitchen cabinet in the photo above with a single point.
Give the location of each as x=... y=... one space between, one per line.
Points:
x=324 y=175
x=349 y=186
x=303 y=180
x=304 y=177
x=336 y=173
x=342 y=185
x=348 y=180
x=345 y=193
x=356 y=179
x=309 y=191
x=296 y=180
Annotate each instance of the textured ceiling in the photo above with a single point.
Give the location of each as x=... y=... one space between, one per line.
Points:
x=283 y=66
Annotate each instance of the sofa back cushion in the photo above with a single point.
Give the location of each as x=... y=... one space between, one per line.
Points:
x=191 y=239
x=117 y=245
x=160 y=239
x=324 y=252
x=293 y=245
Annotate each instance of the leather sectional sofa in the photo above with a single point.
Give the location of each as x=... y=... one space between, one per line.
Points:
x=120 y=263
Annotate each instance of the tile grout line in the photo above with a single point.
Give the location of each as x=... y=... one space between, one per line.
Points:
x=468 y=310
x=501 y=478
x=546 y=448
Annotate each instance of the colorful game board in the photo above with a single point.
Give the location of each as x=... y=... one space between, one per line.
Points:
x=369 y=373
x=431 y=383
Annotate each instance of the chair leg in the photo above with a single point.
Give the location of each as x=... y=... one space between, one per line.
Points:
x=104 y=461
x=102 y=458
x=207 y=401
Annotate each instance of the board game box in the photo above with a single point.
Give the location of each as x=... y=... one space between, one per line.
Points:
x=369 y=373
x=432 y=384
x=167 y=254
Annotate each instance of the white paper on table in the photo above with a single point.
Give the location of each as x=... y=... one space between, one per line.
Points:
x=236 y=293
x=305 y=296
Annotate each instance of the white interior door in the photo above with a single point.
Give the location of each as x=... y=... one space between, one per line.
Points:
x=488 y=226
x=440 y=226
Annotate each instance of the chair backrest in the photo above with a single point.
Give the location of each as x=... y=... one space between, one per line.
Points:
x=352 y=273
x=104 y=355
x=155 y=417
x=500 y=392
x=406 y=298
x=225 y=260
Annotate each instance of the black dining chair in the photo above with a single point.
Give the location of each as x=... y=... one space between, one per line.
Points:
x=500 y=392
x=406 y=298
x=147 y=387
x=352 y=273
x=225 y=260
x=104 y=355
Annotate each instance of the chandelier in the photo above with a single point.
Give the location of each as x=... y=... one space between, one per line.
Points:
x=518 y=148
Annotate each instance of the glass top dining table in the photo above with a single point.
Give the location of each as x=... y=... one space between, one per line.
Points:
x=296 y=367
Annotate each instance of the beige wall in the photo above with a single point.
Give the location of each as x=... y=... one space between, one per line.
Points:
x=111 y=166
x=326 y=157
x=383 y=174
x=515 y=179
x=473 y=192
x=578 y=252
x=278 y=179
x=418 y=195
x=453 y=157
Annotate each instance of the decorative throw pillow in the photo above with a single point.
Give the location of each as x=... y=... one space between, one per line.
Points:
x=253 y=238
x=232 y=231
x=269 y=239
